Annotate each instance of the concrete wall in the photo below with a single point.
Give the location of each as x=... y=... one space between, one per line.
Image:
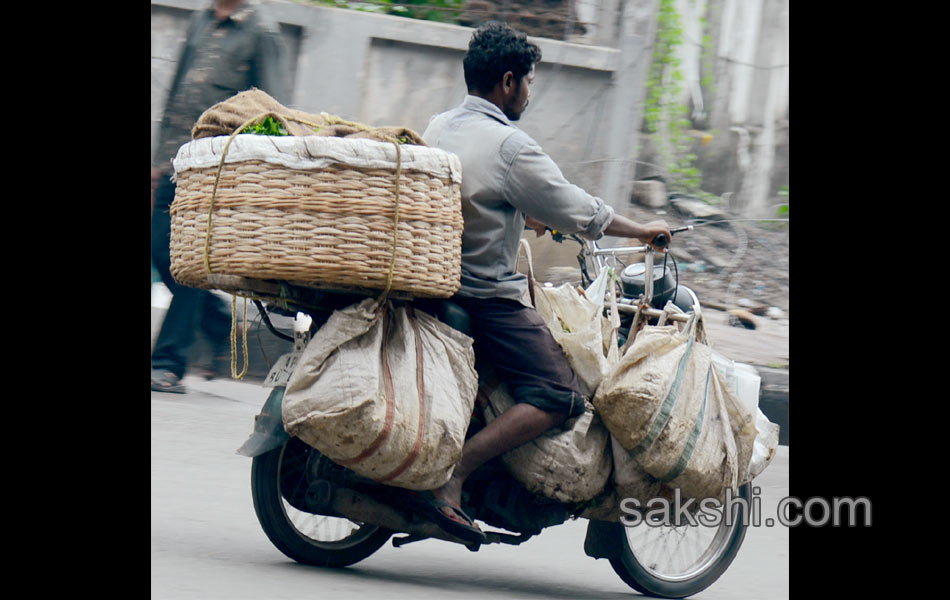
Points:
x=386 y=70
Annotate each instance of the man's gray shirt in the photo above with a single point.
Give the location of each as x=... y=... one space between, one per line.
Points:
x=505 y=176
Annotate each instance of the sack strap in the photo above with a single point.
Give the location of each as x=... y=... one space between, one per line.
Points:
x=389 y=392
x=423 y=405
x=687 y=453
x=666 y=409
x=523 y=245
x=390 y=395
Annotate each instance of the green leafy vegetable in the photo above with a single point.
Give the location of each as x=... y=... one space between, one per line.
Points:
x=269 y=126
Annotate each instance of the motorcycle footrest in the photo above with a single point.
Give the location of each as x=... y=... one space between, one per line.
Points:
x=407 y=539
x=496 y=537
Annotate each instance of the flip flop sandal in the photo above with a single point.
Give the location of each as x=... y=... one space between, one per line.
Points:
x=164 y=381
x=462 y=527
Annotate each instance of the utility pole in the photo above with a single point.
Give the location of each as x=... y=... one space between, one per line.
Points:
x=635 y=33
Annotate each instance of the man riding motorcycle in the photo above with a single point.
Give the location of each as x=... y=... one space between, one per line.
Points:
x=510 y=184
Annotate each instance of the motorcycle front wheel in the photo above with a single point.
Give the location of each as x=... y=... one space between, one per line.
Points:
x=666 y=561
x=279 y=481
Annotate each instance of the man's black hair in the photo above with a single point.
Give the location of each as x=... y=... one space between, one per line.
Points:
x=496 y=48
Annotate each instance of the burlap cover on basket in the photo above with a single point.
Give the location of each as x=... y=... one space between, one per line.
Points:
x=318 y=211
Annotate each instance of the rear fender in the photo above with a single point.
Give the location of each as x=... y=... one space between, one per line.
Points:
x=603 y=539
x=269 y=430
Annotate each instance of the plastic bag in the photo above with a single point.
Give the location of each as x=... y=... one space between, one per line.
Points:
x=386 y=392
x=745 y=381
x=628 y=480
x=577 y=322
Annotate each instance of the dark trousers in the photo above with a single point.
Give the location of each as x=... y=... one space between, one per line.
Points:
x=516 y=342
x=191 y=309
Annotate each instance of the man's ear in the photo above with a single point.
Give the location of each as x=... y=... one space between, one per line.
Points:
x=508 y=82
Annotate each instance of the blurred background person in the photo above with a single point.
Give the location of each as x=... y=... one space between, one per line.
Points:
x=229 y=47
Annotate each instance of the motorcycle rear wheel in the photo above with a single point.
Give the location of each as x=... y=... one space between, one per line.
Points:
x=676 y=562
x=278 y=480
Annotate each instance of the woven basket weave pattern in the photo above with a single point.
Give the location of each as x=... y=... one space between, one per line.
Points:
x=323 y=228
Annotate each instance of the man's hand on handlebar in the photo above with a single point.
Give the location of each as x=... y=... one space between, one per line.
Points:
x=538 y=227
x=656 y=234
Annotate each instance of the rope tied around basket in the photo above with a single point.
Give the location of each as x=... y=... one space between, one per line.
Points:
x=234 y=373
x=329 y=121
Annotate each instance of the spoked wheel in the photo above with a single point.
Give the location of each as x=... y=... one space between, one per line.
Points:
x=279 y=482
x=675 y=562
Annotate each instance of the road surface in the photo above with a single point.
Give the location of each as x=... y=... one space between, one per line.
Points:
x=206 y=543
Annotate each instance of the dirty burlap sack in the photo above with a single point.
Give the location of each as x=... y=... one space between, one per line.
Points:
x=668 y=407
x=628 y=480
x=569 y=463
x=386 y=392
x=225 y=117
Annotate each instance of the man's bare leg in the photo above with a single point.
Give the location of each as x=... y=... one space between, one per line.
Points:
x=516 y=426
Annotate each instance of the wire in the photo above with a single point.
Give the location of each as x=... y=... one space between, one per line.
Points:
x=676 y=278
x=703 y=222
x=270 y=326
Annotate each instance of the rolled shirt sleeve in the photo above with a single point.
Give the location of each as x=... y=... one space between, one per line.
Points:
x=534 y=184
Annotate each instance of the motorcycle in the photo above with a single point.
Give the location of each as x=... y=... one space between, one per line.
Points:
x=319 y=513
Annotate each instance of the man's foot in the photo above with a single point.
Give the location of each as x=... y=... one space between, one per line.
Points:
x=450 y=493
x=166 y=381
x=443 y=508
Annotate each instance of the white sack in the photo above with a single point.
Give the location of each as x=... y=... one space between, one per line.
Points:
x=569 y=463
x=629 y=479
x=359 y=397
x=578 y=324
x=669 y=408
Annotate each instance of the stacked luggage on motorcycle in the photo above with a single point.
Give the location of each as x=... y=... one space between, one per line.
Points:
x=386 y=391
x=676 y=421
x=320 y=203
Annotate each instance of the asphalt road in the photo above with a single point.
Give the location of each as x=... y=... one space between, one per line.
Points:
x=206 y=542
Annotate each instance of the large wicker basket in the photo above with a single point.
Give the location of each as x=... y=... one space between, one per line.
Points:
x=318 y=212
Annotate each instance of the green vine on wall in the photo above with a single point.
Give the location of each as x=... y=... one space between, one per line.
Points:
x=445 y=11
x=665 y=116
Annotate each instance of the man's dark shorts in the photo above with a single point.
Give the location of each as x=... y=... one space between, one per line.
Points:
x=517 y=343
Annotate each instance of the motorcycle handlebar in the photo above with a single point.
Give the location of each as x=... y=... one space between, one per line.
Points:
x=661 y=241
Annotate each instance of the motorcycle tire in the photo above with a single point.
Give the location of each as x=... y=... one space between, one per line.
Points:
x=278 y=480
x=657 y=560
